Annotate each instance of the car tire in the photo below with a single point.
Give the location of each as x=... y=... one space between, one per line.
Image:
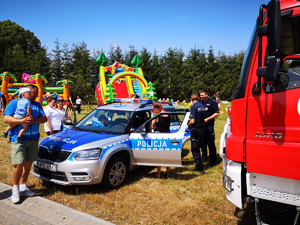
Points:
x=115 y=172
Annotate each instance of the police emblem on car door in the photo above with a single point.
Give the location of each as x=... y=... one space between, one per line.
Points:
x=150 y=148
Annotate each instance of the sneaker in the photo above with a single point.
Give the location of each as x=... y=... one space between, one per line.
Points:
x=4 y=134
x=15 y=196
x=27 y=192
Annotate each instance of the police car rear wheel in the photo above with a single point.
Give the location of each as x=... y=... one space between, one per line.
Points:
x=115 y=172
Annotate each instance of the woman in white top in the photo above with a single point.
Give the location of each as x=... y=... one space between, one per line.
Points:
x=53 y=125
x=61 y=110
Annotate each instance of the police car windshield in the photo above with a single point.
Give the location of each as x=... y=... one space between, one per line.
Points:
x=105 y=121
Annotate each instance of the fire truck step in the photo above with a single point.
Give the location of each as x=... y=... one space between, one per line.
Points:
x=277 y=196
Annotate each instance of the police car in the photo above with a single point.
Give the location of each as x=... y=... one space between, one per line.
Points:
x=109 y=142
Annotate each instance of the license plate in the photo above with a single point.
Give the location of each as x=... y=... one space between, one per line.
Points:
x=47 y=166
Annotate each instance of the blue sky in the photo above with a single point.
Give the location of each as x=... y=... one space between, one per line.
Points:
x=226 y=25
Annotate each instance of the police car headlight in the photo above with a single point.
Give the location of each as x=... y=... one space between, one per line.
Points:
x=89 y=154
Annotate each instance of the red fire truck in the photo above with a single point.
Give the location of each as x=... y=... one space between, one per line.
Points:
x=260 y=145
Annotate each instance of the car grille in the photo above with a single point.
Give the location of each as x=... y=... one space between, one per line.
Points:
x=50 y=175
x=56 y=155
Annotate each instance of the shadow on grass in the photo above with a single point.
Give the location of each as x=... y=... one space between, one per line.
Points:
x=51 y=188
x=175 y=174
x=185 y=176
x=191 y=162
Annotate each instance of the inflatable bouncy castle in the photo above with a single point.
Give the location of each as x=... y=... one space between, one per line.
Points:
x=11 y=87
x=120 y=81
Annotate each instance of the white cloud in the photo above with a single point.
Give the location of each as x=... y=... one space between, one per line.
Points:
x=182 y=19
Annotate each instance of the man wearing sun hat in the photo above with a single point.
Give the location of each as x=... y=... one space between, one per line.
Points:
x=24 y=152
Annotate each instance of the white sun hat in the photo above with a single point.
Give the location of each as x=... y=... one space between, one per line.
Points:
x=24 y=90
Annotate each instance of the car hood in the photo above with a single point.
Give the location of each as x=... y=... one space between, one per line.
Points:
x=71 y=139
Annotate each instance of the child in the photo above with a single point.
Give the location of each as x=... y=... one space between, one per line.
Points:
x=23 y=110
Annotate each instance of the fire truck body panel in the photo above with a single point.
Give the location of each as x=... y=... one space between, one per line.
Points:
x=237 y=139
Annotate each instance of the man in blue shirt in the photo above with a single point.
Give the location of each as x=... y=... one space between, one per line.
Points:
x=24 y=152
x=196 y=124
x=211 y=112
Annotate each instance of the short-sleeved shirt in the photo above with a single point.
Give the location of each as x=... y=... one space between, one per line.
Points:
x=62 y=113
x=32 y=133
x=78 y=101
x=22 y=106
x=198 y=113
x=211 y=107
x=54 y=118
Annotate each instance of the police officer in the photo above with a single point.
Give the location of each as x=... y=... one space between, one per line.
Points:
x=196 y=124
x=211 y=112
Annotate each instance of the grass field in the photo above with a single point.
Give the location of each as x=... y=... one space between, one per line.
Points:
x=186 y=197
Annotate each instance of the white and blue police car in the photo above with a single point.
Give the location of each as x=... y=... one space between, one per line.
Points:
x=109 y=142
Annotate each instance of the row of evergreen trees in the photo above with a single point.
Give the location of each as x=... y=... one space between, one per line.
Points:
x=175 y=74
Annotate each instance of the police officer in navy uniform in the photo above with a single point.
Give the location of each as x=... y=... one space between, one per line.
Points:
x=196 y=124
x=211 y=112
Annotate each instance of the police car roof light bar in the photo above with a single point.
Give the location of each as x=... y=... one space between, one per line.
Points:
x=133 y=100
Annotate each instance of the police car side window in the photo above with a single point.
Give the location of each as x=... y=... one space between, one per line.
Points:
x=169 y=124
x=140 y=118
x=174 y=119
x=159 y=124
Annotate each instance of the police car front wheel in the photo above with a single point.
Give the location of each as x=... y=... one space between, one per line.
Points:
x=115 y=172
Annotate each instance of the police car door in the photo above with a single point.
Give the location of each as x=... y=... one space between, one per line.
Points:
x=159 y=149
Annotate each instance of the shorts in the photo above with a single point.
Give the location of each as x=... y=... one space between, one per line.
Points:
x=24 y=151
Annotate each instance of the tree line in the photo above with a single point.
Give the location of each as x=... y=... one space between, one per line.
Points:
x=175 y=74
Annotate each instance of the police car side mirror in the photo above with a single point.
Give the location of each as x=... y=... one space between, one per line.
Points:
x=68 y=122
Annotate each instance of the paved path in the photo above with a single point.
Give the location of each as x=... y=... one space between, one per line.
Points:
x=38 y=210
